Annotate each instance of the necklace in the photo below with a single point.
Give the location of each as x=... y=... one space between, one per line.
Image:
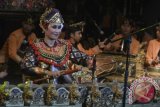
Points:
x=56 y=55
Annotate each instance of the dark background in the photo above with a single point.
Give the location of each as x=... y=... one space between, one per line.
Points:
x=105 y=13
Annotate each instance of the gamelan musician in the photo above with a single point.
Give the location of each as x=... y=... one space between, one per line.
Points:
x=127 y=27
x=153 y=50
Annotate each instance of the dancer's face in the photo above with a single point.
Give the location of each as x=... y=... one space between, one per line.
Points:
x=54 y=30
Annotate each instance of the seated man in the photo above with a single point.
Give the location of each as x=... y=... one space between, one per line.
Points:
x=14 y=46
x=127 y=27
x=51 y=56
x=74 y=35
x=153 y=50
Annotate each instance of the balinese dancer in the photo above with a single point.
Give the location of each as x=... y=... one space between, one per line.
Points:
x=52 y=56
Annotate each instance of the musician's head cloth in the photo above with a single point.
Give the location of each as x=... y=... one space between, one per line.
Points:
x=72 y=28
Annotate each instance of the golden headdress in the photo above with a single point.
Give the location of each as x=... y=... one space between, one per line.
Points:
x=51 y=15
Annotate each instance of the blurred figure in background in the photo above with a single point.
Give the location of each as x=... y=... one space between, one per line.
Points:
x=75 y=34
x=127 y=27
x=153 y=50
x=14 y=47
